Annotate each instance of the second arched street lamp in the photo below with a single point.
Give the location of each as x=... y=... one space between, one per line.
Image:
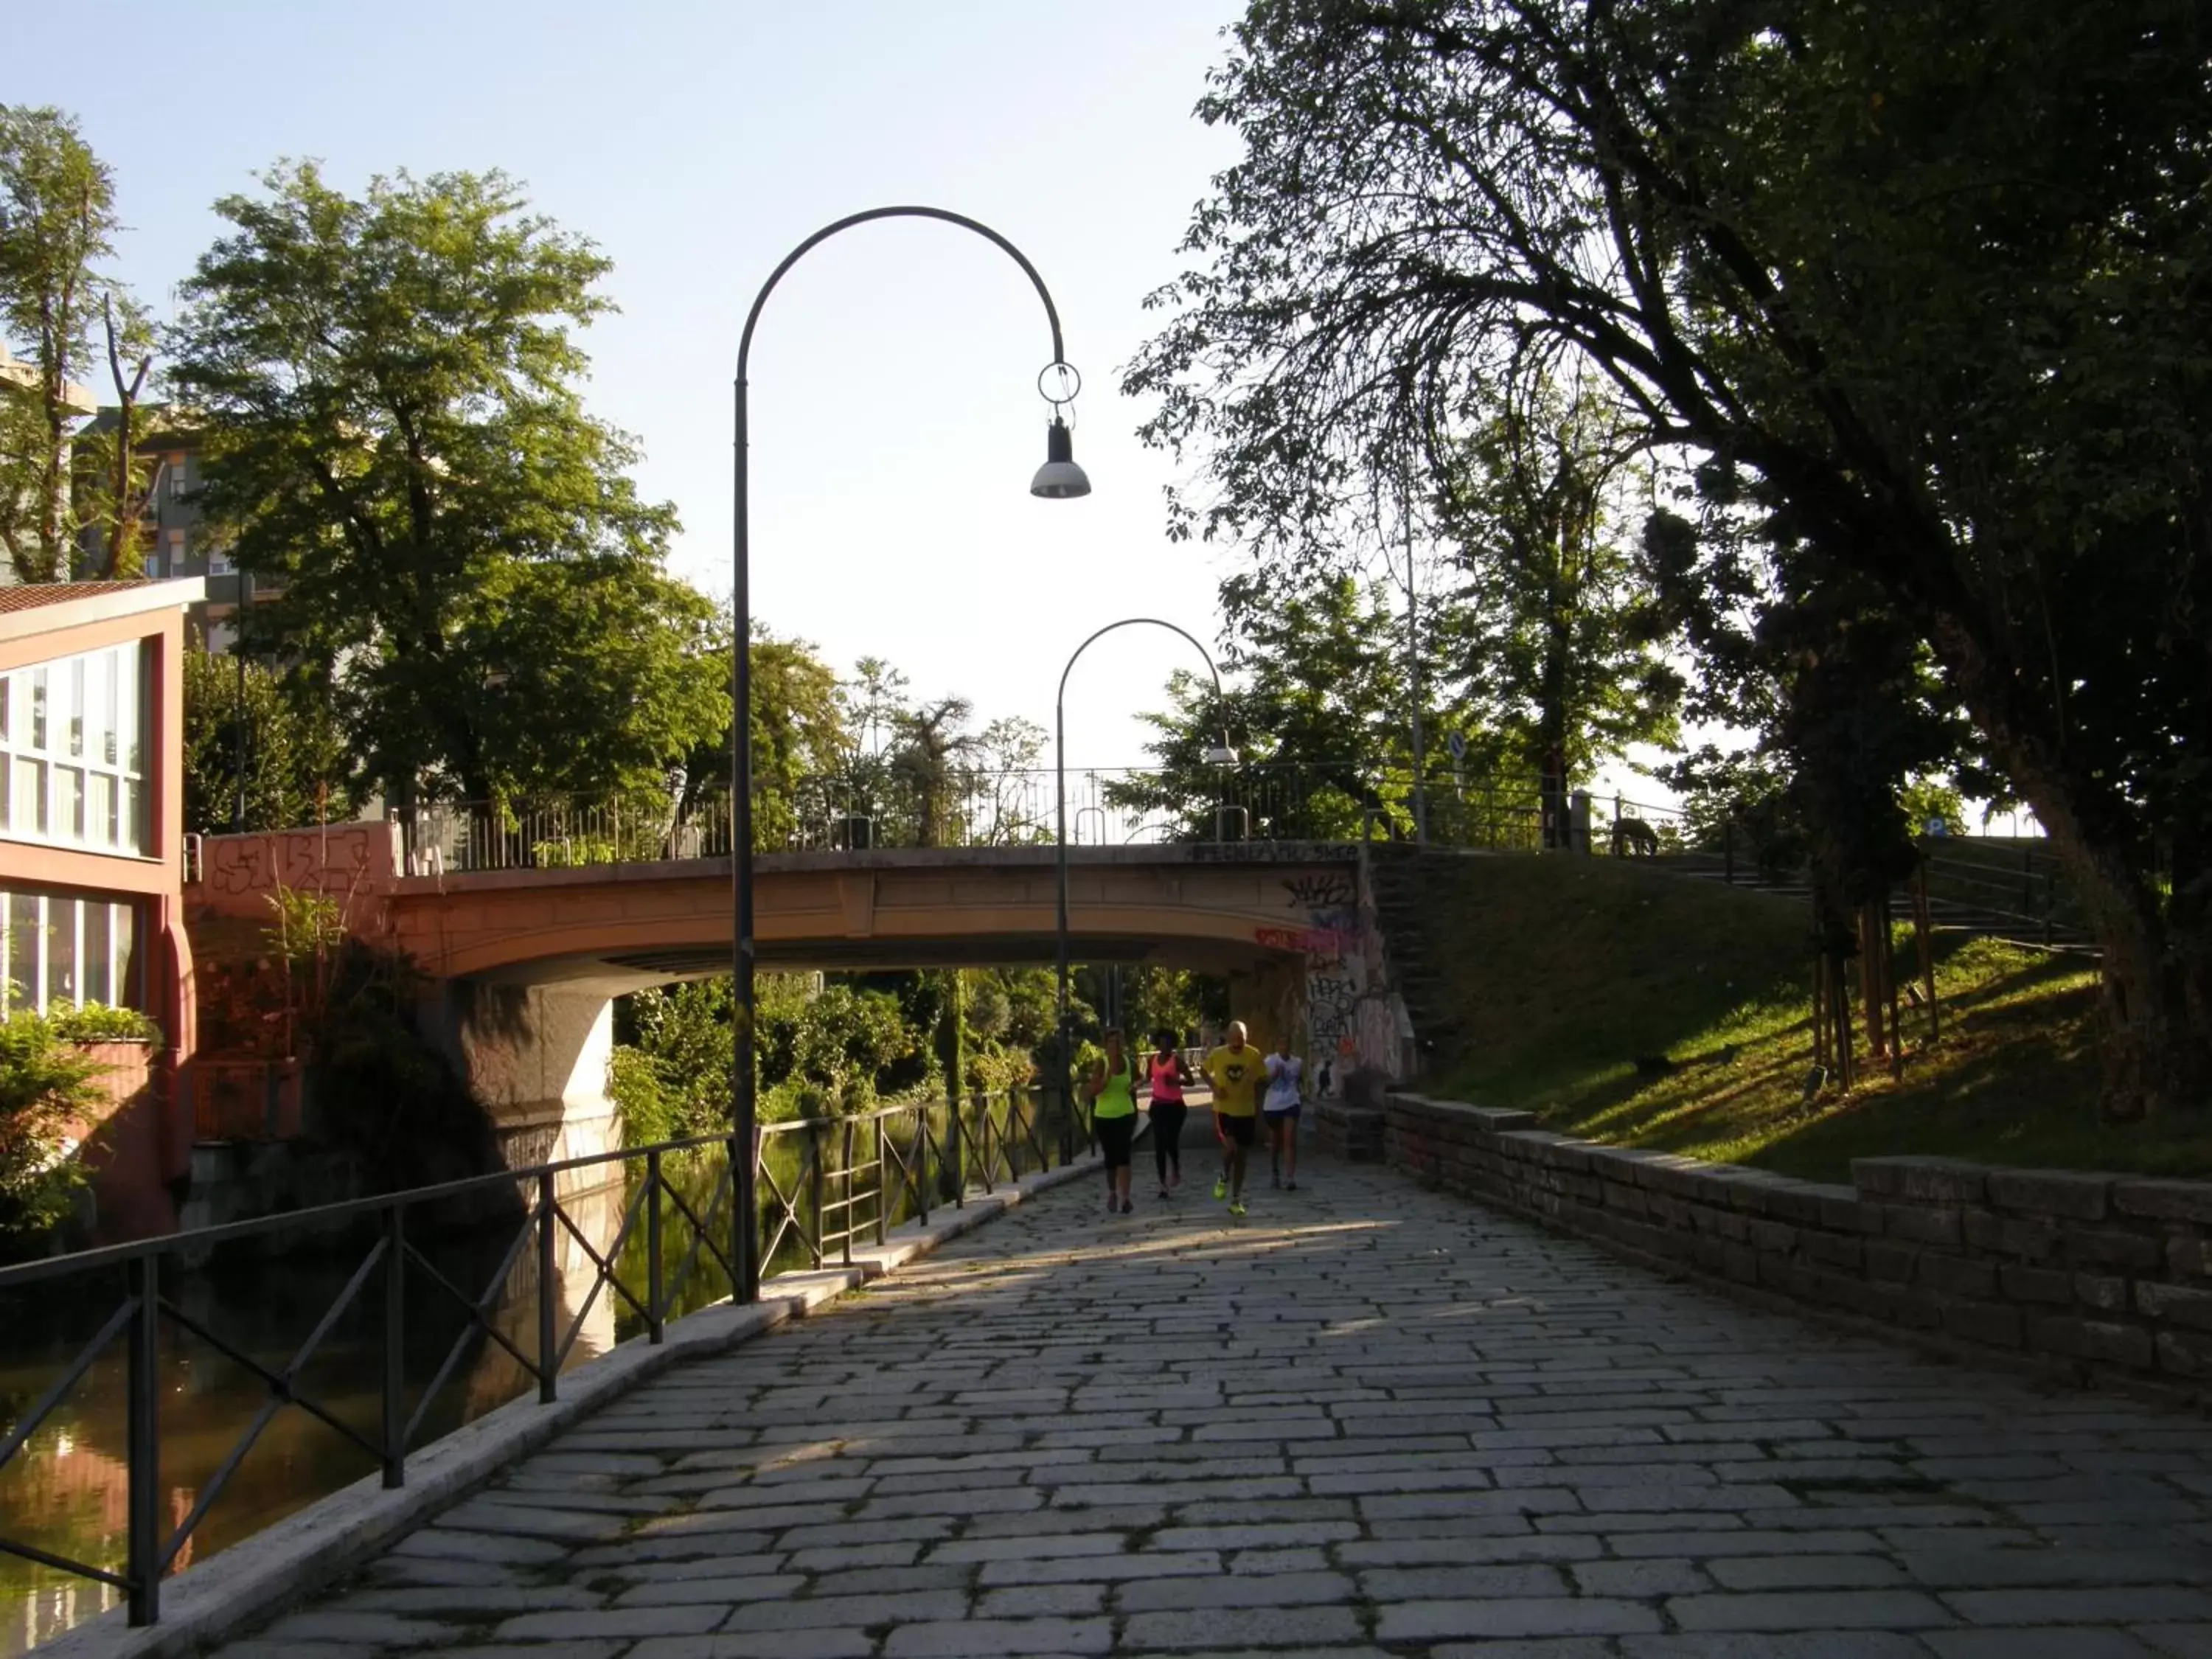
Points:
x=1058 y=479
x=1220 y=755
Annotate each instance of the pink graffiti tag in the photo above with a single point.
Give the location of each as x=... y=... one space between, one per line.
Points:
x=1314 y=941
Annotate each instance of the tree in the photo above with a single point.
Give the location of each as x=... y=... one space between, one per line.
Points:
x=798 y=735
x=111 y=474
x=1320 y=722
x=294 y=755
x=1556 y=633
x=56 y=222
x=387 y=385
x=1932 y=279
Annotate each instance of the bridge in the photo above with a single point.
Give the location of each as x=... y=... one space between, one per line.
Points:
x=528 y=958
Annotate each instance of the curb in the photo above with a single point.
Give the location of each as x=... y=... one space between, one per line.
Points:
x=259 y=1576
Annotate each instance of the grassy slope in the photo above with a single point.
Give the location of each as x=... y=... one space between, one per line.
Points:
x=1567 y=970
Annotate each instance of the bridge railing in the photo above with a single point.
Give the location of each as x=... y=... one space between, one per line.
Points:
x=972 y=807
x=664 y=1243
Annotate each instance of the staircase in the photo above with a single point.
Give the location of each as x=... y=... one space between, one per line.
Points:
x=1403 y=910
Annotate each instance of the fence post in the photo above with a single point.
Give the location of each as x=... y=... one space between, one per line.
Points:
x=547 y=1389
x=814 y=1181
x=956 y=1156
x=395 y=1348
x=844 y=1245
x=656 y=1310
x=921 y=1162
x=143 y=1404
x=883 y=1176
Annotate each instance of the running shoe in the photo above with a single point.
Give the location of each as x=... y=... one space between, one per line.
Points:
x=1236 y=1208
x=1127 y=1206
x=1164 y=1191
x=1221 y=1187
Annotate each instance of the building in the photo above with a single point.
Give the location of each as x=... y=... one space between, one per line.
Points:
x=175 y=537
x=92 y=837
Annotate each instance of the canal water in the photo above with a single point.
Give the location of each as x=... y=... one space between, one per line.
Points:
x=66 y=1492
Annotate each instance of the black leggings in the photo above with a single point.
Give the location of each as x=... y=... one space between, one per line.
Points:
x=1168 y=1117
x=1115 y=1136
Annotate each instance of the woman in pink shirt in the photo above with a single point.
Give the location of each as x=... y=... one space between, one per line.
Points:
x=1169 y=1074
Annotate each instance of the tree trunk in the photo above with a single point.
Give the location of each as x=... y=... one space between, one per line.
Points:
x=2157 y=964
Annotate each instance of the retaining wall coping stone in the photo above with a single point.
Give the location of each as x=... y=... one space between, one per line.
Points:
x=2165 y=1200
x=1921 y=1180
x=2077 y=1195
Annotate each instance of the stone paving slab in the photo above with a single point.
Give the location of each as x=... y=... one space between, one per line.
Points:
x=1365 y=1421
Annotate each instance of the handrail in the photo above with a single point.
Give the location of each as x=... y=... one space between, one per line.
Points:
x=892 y=1164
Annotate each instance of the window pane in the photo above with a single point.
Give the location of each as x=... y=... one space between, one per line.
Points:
x=100 y=810
x=131 y=708
x=73 y=685
x=69 y=804
x=130 y=978
x=110 y=671
x=135 y=838
x=38 y=708
x=7 y=702
x=61 y=953
x=27 y=807
x=19 y=911
x=98 y=963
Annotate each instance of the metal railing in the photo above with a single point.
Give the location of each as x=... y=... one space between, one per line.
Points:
x=970 y=808
x=825 y=1183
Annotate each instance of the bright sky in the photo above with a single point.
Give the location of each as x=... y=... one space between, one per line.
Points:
x=895 y=422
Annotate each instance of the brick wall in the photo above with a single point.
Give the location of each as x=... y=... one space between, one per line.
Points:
x=2095 y=1277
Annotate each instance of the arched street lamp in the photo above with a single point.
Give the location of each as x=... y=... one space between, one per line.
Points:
x=1058 y=479
x=1219 y=755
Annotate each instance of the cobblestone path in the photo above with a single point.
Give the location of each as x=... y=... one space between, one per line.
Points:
x=1365 y=1420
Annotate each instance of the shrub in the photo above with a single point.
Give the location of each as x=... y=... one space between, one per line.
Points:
x=44 y=1083
x=98 y=1023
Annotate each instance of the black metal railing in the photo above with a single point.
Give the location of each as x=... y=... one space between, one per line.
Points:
x=972 y=808
x=825 y=1184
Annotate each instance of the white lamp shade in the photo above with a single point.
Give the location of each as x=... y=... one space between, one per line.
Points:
x=1221 y=755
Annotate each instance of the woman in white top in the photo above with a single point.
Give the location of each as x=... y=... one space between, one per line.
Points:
x=1280 y=1111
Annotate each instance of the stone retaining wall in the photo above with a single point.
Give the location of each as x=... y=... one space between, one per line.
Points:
x=2099 y=1277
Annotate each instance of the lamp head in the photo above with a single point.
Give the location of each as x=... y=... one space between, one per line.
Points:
x=1221 y=755
x=1060 y=479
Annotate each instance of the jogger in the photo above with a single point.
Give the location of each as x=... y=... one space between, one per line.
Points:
x=1234 y=1070
x=1281 y=1113
x=1169 y=1072
x=1112 y=1091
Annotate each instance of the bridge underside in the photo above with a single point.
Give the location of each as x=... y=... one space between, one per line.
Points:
x=853 y=956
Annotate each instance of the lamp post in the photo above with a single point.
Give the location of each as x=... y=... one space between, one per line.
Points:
x=1220 y=755
x=1058 y=479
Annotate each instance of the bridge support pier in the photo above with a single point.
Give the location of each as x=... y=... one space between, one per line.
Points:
x=536 y=1056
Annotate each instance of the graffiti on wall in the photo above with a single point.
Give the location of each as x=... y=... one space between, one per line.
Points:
x=1328 y=931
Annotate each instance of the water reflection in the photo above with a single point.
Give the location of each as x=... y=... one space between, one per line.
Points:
x=66 y=1492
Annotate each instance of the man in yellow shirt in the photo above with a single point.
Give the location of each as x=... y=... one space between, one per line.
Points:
x=1236 y=1070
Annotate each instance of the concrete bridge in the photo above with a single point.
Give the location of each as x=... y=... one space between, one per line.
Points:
x=527 y=961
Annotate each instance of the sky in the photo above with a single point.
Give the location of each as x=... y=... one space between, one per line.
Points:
x=895 y=414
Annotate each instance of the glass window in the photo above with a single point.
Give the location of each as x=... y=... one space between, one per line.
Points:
x=90 y=708
x=98 y=961
x=6 y=703
x=61 y=954
x=19 y=984
x=123 y=947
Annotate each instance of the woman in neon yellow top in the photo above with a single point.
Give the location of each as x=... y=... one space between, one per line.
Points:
x=1111 y=1090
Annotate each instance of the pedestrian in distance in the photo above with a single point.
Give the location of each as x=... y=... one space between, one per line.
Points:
x=1235 y=1071
x=1111 y=1090
x=1170 y=1075
x=1280 y=1111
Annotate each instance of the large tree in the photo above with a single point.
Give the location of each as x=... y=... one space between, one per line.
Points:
x=1938 y=276
x=1557 y=640
x=388 y=384
x=58 y=221
x=295 y=763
